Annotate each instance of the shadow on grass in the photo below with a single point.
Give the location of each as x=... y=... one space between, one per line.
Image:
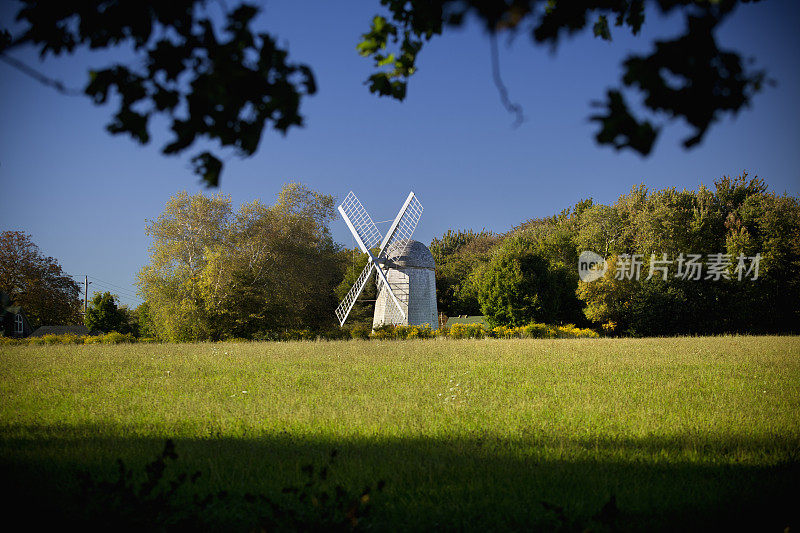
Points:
x=478 y=482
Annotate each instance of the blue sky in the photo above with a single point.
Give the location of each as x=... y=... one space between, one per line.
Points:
x=84 y=195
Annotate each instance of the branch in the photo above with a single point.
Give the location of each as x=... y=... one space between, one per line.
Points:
x=510 y=106
x=38 y=76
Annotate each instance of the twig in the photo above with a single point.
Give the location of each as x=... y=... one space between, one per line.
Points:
x=510 y=106
x=38 y=76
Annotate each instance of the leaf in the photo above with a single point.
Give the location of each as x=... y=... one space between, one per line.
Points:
x=208 y=168
x=601 y=28
x=620 y=128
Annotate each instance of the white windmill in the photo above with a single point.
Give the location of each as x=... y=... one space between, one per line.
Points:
x=405 y=268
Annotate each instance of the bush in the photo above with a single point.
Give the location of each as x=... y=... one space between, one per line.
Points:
x=297 y=335
x=537 y=331
x=358 y=331
x=387 y=331
x=503 y=332
x=384 y=332
x=361 y=331
x=421 y=332
x=109 y=338
x=335 y=334
x=466 y=331
x=571 y=332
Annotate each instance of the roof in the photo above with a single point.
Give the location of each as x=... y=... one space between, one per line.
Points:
x=60 y=330
x=411 y=254
x=14 y=309
x=475 y=319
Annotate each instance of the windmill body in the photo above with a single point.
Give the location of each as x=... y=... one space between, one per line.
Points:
x=404 y=268
x=410 y=271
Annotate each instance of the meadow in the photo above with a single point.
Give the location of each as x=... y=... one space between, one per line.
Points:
x=489 y=434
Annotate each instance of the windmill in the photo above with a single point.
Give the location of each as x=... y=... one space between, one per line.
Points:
x=404 y=267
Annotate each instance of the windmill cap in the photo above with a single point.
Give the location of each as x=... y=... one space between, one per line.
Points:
x=411 y=254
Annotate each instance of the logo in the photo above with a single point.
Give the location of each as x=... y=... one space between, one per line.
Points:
x=591 y=266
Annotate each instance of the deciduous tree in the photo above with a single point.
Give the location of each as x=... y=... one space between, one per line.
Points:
x=521 y=285
x=103 y=315
x=227 y=82
x=458 y=254
x=37 y=282
x=217 y=273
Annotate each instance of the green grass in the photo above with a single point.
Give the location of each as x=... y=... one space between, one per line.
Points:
x=472 y=434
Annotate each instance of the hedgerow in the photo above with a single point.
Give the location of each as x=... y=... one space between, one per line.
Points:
x=385 y=332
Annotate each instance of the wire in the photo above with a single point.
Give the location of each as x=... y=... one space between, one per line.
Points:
x=121 y=292
x=107 y=282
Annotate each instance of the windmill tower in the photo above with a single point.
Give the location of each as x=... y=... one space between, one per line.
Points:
x=404 y=267
x=410 y=269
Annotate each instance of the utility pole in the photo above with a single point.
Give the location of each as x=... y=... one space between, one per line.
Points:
x=86 y=283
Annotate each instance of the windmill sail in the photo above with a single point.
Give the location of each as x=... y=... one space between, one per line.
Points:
x=347 y=304
x=360 y=223
x=404 y=224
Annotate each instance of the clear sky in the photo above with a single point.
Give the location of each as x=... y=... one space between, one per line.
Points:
x=84 y=195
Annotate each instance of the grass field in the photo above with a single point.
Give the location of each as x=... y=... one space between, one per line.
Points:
x=697 y=433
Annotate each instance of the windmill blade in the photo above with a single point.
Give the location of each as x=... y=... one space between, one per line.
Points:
x=394 y=312
x=404 y=224
x=347 y=303
x=360 y=223
x=382 y=278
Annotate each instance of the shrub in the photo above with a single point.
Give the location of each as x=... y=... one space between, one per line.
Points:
x=421 y=332
x=384 y=332
x=538 y=331
x=504 y=332
x=297 y=335
x=51 y=339
x=335 y=334
x=71 y=338
x=109 y=338
x=360 y=331
x=116 y=338
x=571 y=332
x=466 y=331
x=401 y=332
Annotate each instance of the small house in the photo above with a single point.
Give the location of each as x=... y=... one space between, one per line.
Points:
x=62 y=330
x=13 y=322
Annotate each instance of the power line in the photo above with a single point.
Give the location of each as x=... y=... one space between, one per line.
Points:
x=109 y=283
x=123 y=294
x=115 y=290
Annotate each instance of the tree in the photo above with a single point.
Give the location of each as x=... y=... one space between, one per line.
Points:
x=182 y=234
x=102 y=314
x=216 y=273
x=520 y=285
x=228 y=89
x=458 y=254
x=141 y=321
x=37 y=283
x=739 y=217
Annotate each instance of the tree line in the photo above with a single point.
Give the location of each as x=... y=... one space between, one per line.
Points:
x=530 y=274
x=710 y=261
